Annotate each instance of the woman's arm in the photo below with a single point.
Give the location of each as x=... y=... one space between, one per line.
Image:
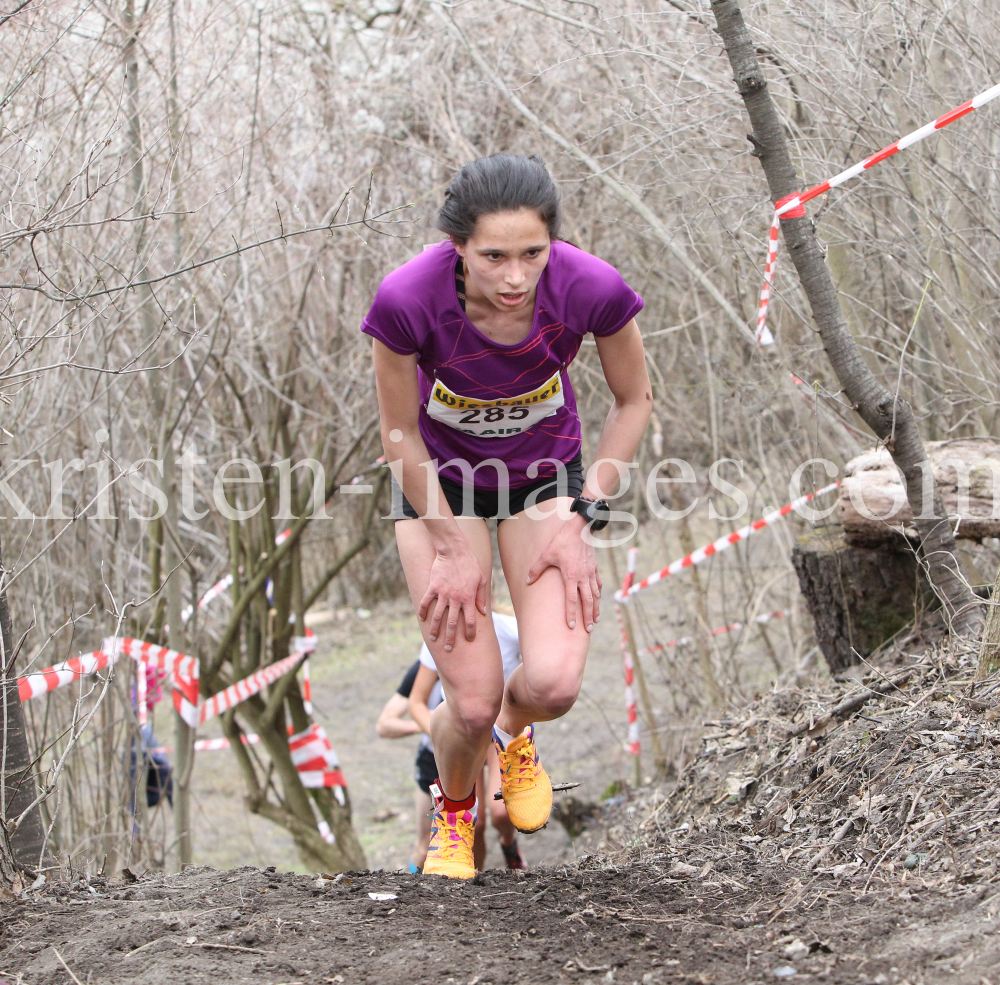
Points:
x=624 y=363
x=390 y=724
x=422 y=687
x=458 y=585
x=623 y=360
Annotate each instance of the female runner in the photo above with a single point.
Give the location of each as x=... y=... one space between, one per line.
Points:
x=472 y=339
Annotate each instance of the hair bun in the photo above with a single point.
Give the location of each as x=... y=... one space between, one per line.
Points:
x=498 y=183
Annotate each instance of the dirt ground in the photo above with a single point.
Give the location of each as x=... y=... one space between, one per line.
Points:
x=696 y=880
x=586 y=923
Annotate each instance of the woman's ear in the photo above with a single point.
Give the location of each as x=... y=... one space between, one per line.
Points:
x=459 y=247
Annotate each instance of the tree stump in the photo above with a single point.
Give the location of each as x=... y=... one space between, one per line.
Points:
x=858 y=597
x=989 y=650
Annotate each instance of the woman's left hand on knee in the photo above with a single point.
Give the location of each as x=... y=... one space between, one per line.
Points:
x=577 y=563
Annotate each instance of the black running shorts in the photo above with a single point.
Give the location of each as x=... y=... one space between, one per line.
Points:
x=486 y=503
x=426 y=769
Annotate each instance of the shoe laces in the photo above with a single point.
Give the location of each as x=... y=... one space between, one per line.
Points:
x=451 y=839
x=522 y=763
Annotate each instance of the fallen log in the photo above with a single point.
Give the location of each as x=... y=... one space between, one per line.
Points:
x=873 y=508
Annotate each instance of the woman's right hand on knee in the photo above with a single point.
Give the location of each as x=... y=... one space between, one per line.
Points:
x=456 y=589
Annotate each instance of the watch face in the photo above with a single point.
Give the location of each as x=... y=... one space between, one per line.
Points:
x=599 y=513
x=595 y=511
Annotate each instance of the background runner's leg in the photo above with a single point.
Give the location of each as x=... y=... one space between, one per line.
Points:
x=497 y=809
x=547 y=683
x=471 y=674
x=479 y=847
x=422 y=805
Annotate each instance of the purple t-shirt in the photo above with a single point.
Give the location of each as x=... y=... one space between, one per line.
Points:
x=416 y=310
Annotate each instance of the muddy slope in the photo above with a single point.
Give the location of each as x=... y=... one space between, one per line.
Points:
x=649 y=921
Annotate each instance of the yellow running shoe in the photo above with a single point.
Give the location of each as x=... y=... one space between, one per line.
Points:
x=524 y=784
x=450 y=850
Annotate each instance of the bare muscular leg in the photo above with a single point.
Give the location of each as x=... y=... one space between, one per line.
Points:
x=553 y=656
x=471 y=673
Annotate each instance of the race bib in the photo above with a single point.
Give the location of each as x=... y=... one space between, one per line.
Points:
x=496 y=418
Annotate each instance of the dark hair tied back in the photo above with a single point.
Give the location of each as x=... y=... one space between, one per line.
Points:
x=499 y=183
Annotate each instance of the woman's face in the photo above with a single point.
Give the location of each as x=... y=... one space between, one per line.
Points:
x=504 y=257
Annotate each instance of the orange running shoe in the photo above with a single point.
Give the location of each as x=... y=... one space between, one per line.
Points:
x=450 y=850
x=524 y=784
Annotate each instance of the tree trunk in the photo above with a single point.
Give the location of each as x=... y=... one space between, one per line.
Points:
x=858 y=597
x=294 y=812
x=890 y=418
x=18 y=781
x=183 y=733
x=989 y=651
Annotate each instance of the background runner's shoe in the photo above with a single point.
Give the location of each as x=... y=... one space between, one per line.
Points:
x=524 y=784
x=450 y=850
x=513 y=857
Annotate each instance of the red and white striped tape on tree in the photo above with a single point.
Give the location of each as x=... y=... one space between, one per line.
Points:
x=791 y=206
x=724 y=542
x=239 y=692
x=185 y=671
x=213 y=593
x=42 y=681
x=316 y=761
x=312 y=755
x=307 y=692
x=141 y=711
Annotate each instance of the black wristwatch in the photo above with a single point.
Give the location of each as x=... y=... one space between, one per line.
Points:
x=595 y=511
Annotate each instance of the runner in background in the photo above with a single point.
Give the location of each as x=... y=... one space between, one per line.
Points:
x=471 y=343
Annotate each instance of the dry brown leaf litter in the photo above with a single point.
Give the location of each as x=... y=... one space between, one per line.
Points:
x=898 y=773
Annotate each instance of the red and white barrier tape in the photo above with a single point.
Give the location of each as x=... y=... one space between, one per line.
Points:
x=185 y=671
x=727 y=540
x=239 y=692
x=311 y=752
x=141 y=710
x=42 y=681
x=791 y=206
x=305 y=644
x=718 y=631
x=212 y=745
x=213 y=593
x=316 y=761
x=628 y=666
x=307 y=691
